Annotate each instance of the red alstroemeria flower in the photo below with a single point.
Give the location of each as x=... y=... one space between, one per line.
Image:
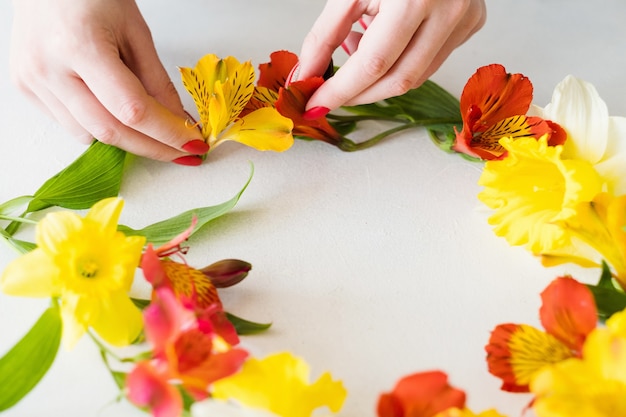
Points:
x=186 y=351
x=420 y=395
x=290 y=100
x=517 y=351
x=494 y=104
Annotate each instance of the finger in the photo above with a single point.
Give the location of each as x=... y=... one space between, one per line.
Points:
x=423 y=56
x=123 y=96
x=95 y=118
x=328 y=32
x=376 y=54
x=142 y=59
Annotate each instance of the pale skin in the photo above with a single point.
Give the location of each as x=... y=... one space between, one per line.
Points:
x=92 y=64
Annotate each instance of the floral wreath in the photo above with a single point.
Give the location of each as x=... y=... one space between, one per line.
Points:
x=554 y=178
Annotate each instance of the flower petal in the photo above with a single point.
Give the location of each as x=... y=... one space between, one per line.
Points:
x=263 y=129
x=568 y=311
x=31 y=275
x=516 y=352
x=422 y=394
x=274 y=73
x=106 y=214
x=279 y=383
x=146 y=387
x=119 y=321
x=578 y=108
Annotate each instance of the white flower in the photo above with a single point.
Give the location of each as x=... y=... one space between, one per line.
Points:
x=593 y=135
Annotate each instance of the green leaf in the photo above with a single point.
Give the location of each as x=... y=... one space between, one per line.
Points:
x=10 y=206
x=609 y=299
x=29 y=360
x=163 y=231
x=344 y=127
x=429 y=101
x=246 y=327
x=140 y=303
x=95 y=175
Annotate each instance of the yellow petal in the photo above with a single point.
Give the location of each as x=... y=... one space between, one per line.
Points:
x=264 y=129
x=31 y=275
x=106 y=214
x=74 y=325
x=279 y=383
x=56 y=228
x=118 y=321
x=605 y=352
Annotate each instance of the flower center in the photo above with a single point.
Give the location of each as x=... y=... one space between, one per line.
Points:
x=88 y=268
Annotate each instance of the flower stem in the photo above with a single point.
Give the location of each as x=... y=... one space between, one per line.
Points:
x=17 y=219
x=349 y=146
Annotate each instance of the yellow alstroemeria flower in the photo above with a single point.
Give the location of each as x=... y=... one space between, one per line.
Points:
x=532 y=189
x=593 y=386
x=90 y=266
x=221 y=88
x=279 y=384
x=593 y=135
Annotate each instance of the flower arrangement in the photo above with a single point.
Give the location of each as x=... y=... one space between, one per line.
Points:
x=554 y=178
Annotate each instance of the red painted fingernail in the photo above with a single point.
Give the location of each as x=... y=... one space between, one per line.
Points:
x=363 y=24
x=345 y=48
x=315 y=113
x=196 y=147
x=293 y=75
x=188 y=160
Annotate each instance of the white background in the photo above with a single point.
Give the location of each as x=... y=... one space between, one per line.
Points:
x=371 y=265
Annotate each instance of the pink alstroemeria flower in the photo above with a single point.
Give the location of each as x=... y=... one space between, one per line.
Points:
x=186 y=352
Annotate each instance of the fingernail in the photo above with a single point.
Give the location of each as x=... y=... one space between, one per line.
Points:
x=293 y=75
x=363 y=24
x=196 y=147
x=188 y=160
x=345 y=48
x=315 y=113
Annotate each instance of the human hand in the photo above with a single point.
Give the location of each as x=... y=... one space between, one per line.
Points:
x=404 y=43
x=92 y=66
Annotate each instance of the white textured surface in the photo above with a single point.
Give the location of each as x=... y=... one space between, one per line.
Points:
x=371 y=265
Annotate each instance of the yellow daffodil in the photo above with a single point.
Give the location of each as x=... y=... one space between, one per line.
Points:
x=221 y=88
x=279 y=384
x=90 y=266
x=532 y=189
x=600 y=226
x=593 y=135
x=592 y=386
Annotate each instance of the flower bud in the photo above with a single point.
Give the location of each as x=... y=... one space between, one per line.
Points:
x=227 y=272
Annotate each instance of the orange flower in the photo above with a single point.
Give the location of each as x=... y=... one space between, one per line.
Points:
x=494 y=105
x=420 y=395
x=516 y=352
x=290 y=100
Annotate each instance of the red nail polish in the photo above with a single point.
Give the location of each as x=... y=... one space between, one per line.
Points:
x=188 y=160
x=345 y=48
x=363 y=24
x=293 y=75
x=315 y=113
x=196 y=147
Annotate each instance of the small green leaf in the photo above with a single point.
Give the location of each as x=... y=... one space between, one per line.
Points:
x=245 y=327
x=29 y=360
x=140 y=303
x=95 y=175
x=163 y=231
x=344 y=127
x=609 y=299
x=119 y=378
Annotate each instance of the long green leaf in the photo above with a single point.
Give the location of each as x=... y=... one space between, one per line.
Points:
x=10 y=206
x=163 y=231
x=29 y=360
x=247 y=327
x=95 y=175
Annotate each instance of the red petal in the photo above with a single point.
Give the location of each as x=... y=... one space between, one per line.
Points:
x=499 y=357
x=148 y=388
x=274 y=73
x=568 y=311
x=558 y=135
x=421 y=395
x=152 y=269
x=291 y=103
x=219 y=365
x=497 y=94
